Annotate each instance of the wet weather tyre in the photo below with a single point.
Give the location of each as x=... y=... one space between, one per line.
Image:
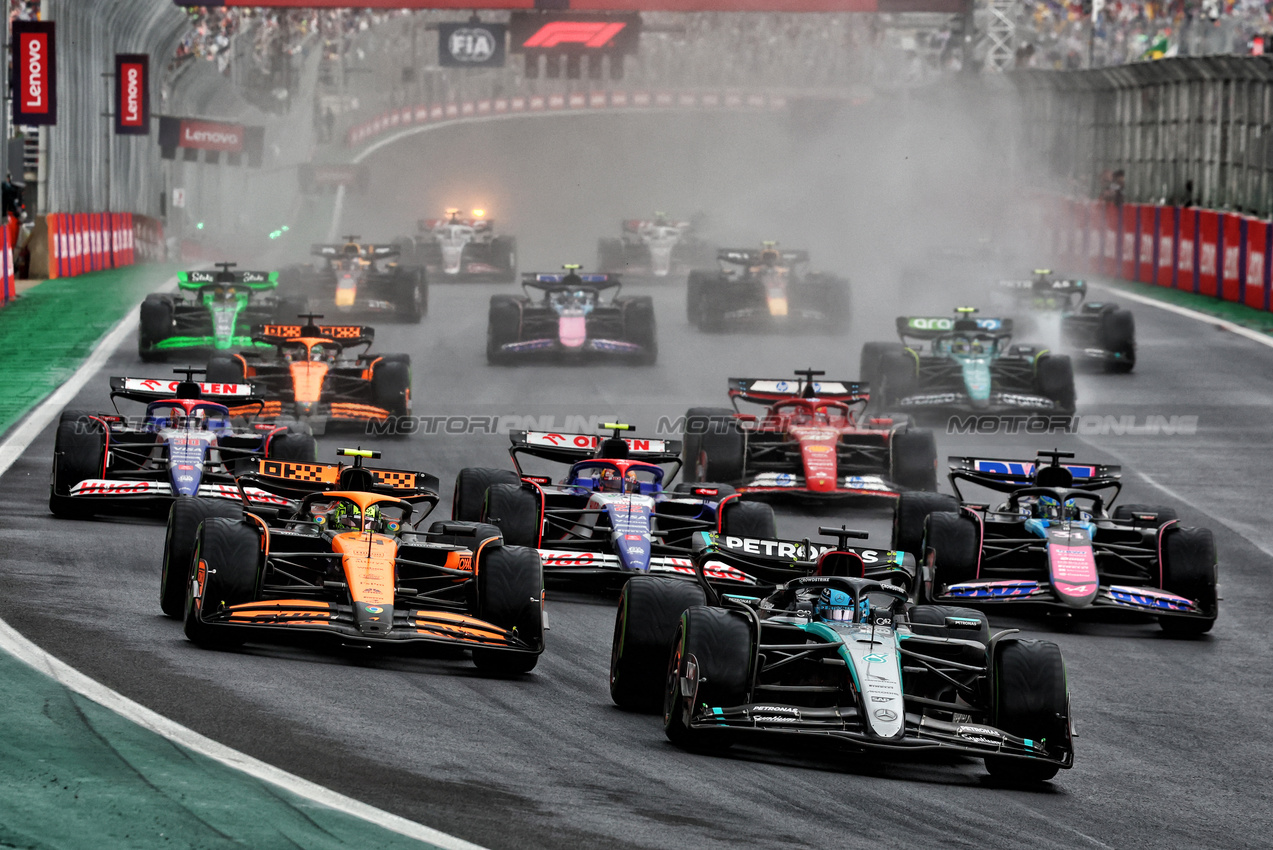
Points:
x=898 y=377
x=504 y=323
x=1128 y=512
x=470 y=490
x=410 y=294
x=639 y=328
x=1030 y=700
x=953 y=542
x=697 y=286
x=909 y=514
x=913 y=459
x=869 y=361
x=721 y=447
x=231 y=551
x=184 y=518
x=1054 y=378
x=1189 y=569
x=1117 y=334
x=510 y=594
x=748 y=519
x=78 y=448
x=293 y=445
x=504 y=255
x=224 y=370
x=698 y=420
x=719 y=642
x=391 y=384
x=155 y=325
x=514 y=510
x=650 y=608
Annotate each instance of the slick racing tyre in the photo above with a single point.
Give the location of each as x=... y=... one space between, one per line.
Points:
x=184 y=519
x=897 y=377
x=650 y=608
x=952 y=541
x=718 y=645
x=78 y=450
x=391 y=384
x=1128 y=513
x=514 y=510
x=1054 y=378
x=510 y=594
x=504 y=325
x=224 y=369
x=230 y=550
x=909 y=513
x=869 y=361
x=639 y=328
x=470 y=490
x=748 y=519
x=1189 y=569
x=913 y=459
x=156 y=325
x=1117 y=334
x=1029 y=699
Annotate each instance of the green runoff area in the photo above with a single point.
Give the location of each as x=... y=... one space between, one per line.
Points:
x=1239 y=314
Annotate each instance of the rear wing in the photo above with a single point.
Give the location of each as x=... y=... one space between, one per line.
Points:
x=555 y=280
x=343 y=335
x=634 y=225
x=1060 y=286
x=777 y=561
x=299 y=477
x=1005 y=475
x=366 y=252
x=425 y=224
x=751 y=256
x=931 y=327
x=157 y=389
x=249 y=279
x=767 y=390
x=572 y=448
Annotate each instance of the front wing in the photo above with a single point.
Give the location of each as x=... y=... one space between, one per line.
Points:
x=108 y=490
x=1113 y=599
x=565 y=563
x=794 y=485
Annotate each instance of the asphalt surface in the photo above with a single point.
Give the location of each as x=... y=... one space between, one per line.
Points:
x=1174 y=749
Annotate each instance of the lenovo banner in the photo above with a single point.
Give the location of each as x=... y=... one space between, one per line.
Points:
x=132 y=94
x=471 y=45
x=213 y=138
x=34 y=73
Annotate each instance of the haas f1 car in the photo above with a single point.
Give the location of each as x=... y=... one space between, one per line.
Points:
x=211 y=310
x=1096 y=332
x=1056 y=545
x=344 y=563
x=812 y=441
x=185 y=445
x=657 y=248
x=313 y=374
x=610 y=517
x=840 y=655
x=765 y=289
x=357 y=279
x=966 y=364
x=465 y=249
x=571 y=316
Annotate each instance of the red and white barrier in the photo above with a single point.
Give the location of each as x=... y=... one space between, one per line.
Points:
x=7 y=280
x=89 y=242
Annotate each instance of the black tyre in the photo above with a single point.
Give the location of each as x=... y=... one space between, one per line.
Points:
x=869 y=361
x=514 y=510
x=293 y=445
x=410 y=294
x=698 y=420
x=184 y=518
x=931 y=621
x=909 y=513
x=913 y=459
x=78 y=452
x=699 y=282
x=1031 y=700
x=748 y=519
x=288 y=310
x=639 y=327
x=954 y=541
x=224 y=369
x=720 y=644
x=1117 y=334
x=1128 y=513
x=898 y=377
x=470 y=490
x=1190 y=570
x=1054 y=378
x=510 y=594
x=719 y=445
x=610 y=255
x=155 y=325
x=504 y=255
x=231 y=552
x=391 y=384
x=650 y=608
x=504 y=325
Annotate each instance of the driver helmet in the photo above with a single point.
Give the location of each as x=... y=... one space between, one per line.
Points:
x=769 y=257
x=345 y=517
x=834 y=606
x=1049 y=508
x=611 y=482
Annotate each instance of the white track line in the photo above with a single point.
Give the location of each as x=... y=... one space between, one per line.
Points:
x=24 y=650
x=1261 y=338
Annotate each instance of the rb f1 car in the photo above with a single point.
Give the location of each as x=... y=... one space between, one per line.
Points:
x=573 y=316
x=1098 y=332
x=841 y=655
x=346 y=565
x=314 y=376
x=812 y=441
x=357 y=279
x=186 y=445
x=1054 y=545
x=765 y=289
x=464 y=249
x=657 y=248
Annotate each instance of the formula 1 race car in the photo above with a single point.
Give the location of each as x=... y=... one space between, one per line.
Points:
x=1055 y=545
x=765 y=288
x=841 y=655
x=357 y=279
x=347 y=566
x=655 y=248
x=185 y=445
x=610 y=517
x=574 y=316
x=812 y=441
x=314 y=376
x=210 y=310
x=1098 y=332
x=463 y=249
x=966 y=364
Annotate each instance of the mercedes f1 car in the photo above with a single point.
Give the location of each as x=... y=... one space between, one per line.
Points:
x=1056 y=545
x=841 y=655
x=211 y=310
x=812 y=441
x=966 y=364
x=571 y=316
x=656 y=248
x=315 y=376
x=346 y=565
x=359 y=279
x=1097 y=332
x=610 y=517
x=186 y=445
x=765 y=288
x=464 y=249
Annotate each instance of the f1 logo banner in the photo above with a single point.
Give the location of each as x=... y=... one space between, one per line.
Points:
x=471 y=45
x=132 y=94
x=618 y=34
x=34 y=73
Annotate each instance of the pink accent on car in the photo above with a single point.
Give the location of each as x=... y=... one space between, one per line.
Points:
x=572 y=331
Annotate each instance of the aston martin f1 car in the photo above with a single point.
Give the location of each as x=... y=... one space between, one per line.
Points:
x=313 y=374
x=361 y=279
x=610 y=517
x=1056 y=545
x=966 y=364
x=812 y=441
x=211 y=310
x=843 y=656
x=571 y=316
x=464 y=249
x=347 y=566
x=185 y=445
x=656 y=248
x=765 y=289
x=1097 y=332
